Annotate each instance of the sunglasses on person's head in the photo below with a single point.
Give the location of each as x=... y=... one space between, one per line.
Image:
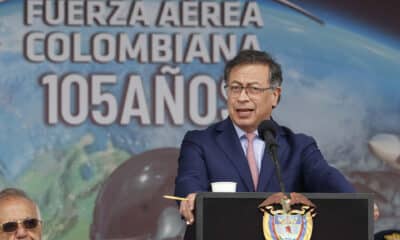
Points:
x=29 y=223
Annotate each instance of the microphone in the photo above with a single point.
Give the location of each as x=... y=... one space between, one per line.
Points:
x=267 y=132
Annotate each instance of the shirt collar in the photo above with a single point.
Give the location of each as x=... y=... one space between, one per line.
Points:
x=240 y=133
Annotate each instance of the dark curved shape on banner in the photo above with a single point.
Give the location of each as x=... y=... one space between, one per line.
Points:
x=130 y=204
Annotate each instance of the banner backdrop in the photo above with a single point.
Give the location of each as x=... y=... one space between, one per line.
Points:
x=96 y=96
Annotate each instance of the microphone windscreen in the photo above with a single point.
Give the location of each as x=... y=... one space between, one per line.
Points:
x=266 y=126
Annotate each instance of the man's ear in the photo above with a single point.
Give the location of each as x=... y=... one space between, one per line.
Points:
x=277 y=96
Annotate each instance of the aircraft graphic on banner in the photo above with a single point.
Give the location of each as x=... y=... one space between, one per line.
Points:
x=300 y=9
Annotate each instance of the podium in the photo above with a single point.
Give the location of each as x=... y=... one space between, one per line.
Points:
x=235 y=216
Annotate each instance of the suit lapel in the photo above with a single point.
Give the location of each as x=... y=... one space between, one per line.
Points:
x=267 y=171
x=228 y=141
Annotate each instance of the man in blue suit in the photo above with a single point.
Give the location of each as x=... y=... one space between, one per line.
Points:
x=220 y=152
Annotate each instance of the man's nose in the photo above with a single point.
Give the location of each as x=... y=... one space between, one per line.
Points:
x=243 y=96
x=21 y=232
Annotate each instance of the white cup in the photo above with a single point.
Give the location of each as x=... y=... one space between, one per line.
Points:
x=223 y=186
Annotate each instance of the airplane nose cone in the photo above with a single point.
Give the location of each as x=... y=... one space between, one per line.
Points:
x=386 y=147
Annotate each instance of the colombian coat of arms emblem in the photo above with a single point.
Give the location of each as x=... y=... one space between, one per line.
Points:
x=287 y=219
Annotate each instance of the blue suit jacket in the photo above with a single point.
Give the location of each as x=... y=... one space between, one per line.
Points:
x=215 y=154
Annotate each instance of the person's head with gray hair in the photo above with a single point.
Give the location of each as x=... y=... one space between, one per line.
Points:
x=19 y=216
x=253 y=88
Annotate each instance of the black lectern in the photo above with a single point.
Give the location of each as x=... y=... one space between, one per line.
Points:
x=235 y=216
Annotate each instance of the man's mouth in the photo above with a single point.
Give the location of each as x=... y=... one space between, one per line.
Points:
x=244 y=112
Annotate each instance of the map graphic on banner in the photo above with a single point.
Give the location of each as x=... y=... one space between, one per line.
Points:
x=95 y=103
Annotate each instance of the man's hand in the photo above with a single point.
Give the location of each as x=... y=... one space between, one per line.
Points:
x=376 y=212
x=186 y=208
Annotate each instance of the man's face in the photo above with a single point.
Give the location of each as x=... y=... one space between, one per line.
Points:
x=245 y=109
x=16 y=209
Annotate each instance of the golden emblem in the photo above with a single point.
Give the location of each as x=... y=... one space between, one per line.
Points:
x=287 y=218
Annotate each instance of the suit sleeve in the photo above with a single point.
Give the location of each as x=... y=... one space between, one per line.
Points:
x=192 y=173
x=319 y=176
